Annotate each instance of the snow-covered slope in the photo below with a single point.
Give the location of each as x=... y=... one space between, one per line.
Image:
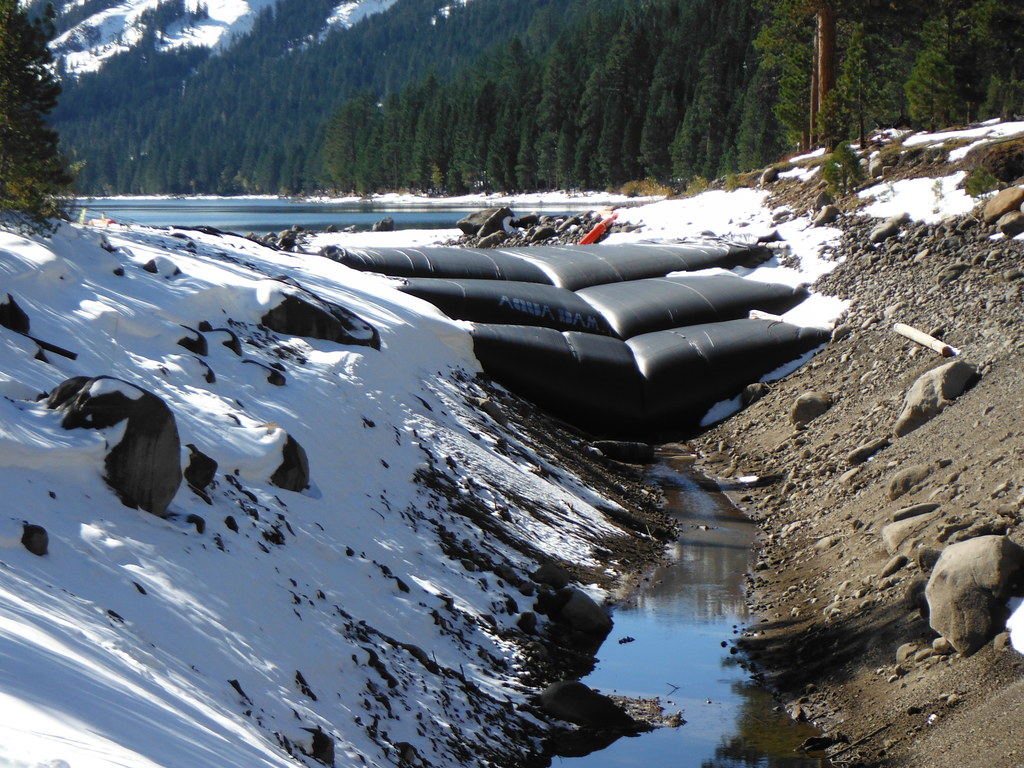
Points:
x=119 y=25
x=365 y=609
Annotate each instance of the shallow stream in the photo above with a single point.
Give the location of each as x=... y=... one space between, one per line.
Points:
x=674 y=642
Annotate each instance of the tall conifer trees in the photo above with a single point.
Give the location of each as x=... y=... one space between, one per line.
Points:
x=32 y=173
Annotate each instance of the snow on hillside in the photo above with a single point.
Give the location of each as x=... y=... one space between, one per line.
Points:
x=216 y=24
x=347 y=14
x=365 y=607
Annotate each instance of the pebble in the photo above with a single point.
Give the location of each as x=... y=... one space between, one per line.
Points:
x=894 y=564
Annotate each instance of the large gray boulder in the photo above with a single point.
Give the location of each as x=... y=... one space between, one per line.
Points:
x=293 y=472
x=584 y=615
x=483 y=223
x=576 y=703
x=1005 y=202
x=144 y=468
x=496 y=222
x=904 y=536
x=932 y=393
x=1011 y=224
x=301 y=313
x=969 y=587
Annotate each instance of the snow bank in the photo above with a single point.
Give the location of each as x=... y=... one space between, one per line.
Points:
x=230 y=632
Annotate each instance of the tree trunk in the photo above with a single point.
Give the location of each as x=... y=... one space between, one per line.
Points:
x=824 y=78
x=812 y=122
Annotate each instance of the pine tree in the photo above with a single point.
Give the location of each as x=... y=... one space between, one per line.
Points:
x=931 y=89
x=33 y=175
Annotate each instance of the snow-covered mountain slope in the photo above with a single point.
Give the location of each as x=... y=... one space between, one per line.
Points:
x=370 y=616
x=116 y=26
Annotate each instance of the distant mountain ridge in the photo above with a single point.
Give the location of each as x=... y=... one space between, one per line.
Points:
x=90 y=33
x=166 y=115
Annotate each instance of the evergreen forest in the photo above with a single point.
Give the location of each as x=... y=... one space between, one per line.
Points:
x=520 y=95
x=33 y=176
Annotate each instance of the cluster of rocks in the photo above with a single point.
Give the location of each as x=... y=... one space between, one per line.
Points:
x=143 y=465
x=1004 y=211
x=893 y=505
x=293 y=238
x=486 y=228
x=500 y=226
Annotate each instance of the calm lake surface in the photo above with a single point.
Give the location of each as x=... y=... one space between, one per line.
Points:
x=258 y=215
x=673 y=634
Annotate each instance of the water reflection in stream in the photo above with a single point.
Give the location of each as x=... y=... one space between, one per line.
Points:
x=668 y=643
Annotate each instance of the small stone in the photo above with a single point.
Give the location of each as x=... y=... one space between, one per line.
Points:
x=753 y=392
x=923 y=654
x=808 y=407
x=887 y=229
x=908 y=479
x=840 y=332
x=926 y=557
x=552 y=575
x=951 y=272
x=914 y=510
x=825 y=216
x=527 y=622
x=493 y=239
x=35 y=539
x=865 y=451
x=1011 y=224
x=574 y=702
x=849 y=476
x=1001 y=641
x=969 y=586
x=894 y=564
x=906 y=651
x=942 y=646
x=826 y=543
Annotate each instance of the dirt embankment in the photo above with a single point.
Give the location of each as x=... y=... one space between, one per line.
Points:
x=835 y=604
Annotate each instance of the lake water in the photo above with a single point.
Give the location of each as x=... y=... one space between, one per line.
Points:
x=260 y=215
x=668 y=643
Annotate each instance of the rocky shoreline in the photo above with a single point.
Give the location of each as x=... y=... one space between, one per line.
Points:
x=844 y=635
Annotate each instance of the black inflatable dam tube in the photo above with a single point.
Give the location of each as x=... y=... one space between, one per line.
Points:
x=655 y=304
x=590 y=381
x=437 y=261
x=687 y=370
x=570 y=266
x=576 y=266
x=510 y=302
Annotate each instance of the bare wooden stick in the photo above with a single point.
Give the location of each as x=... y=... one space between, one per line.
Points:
x=925 y=340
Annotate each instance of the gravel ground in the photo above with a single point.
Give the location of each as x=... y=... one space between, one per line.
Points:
x=834 y=604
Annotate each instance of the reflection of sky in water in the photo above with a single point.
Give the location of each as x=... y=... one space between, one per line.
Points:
x=679 y=624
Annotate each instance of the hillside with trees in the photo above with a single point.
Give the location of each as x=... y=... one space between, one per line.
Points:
x=682 y=91
x=519 y=95
x=251 y=120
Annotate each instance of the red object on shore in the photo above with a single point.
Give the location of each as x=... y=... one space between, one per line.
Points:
x=599 y=229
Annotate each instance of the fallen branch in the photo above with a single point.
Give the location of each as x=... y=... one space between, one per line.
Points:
x=925 y=340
